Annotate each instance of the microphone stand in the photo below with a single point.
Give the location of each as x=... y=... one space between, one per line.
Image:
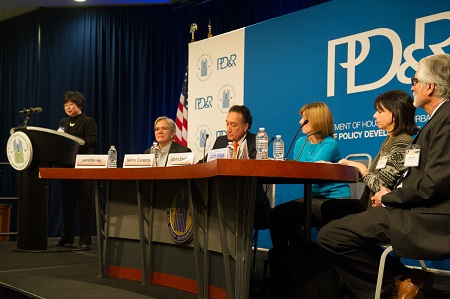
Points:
x=204 y=148
x=306 y=139
x=292 y=143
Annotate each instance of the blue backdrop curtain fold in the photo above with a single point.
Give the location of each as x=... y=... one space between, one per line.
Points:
x=128 y=61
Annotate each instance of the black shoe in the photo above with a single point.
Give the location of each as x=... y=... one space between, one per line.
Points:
x=60 y=244
x=84 y=247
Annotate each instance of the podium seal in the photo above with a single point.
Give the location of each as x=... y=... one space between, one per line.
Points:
x=19 y=150
x=179 y=215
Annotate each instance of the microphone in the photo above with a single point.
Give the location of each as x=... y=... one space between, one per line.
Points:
x=204 y=148
x=30 y=111
x=271 y=139
x=292 y=143
x=318 y=132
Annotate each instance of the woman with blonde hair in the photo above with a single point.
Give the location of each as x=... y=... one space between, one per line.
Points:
x=287 y=219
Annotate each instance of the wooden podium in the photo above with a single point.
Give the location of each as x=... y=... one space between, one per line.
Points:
x=222 y=198
x=47 y=147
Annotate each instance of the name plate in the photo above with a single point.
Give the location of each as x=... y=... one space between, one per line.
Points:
x=180 y=159
x=139 y=161
x=91 y=161
x=220 y=153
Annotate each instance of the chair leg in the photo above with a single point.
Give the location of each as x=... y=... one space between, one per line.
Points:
x=381 y=272
x=255 y=249
x=422 y=265
x=266 y=265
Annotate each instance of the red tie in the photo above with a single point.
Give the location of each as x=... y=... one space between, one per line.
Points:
x=236 y=145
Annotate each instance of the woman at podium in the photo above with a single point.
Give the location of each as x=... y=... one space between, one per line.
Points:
x=78 y=192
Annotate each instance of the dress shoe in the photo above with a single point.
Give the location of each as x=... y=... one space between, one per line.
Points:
x=84 y=247
x=60 y=244
x=415 y=285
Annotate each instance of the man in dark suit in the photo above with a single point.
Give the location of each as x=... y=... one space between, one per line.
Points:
x=415 y=216
x=164 y=129
x=238 y=122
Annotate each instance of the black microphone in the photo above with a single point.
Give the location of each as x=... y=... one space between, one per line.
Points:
x=271 y=139
x=318 y=132
x=30 y=111
x=204 y=148
x=292 y=143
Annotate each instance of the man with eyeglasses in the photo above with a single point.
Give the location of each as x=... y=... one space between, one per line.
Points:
x=164 y=129
x=238 y=123
x=415 y=216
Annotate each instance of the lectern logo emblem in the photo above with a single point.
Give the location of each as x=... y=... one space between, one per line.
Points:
x=19 y=151
x=179 y=215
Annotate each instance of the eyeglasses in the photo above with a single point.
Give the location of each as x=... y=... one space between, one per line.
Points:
x=414 y=81
x=161 y=128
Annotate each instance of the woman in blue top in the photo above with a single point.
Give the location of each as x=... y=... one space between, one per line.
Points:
x=286 y=220
x=318 y=144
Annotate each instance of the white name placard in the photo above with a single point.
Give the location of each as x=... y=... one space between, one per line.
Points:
x=220 y=153
x=91 y=161
x=180 y=159
x=138 y=161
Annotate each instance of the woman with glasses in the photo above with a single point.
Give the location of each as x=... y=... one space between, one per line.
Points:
x=78 y=193
x=164 y=129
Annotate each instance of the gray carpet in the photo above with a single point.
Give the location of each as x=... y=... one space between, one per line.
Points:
x=70 y=274
x=74 y=274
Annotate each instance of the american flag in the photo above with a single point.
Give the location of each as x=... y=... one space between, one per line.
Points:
x=182 y=114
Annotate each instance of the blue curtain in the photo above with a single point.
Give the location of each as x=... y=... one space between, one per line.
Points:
x=129 y=62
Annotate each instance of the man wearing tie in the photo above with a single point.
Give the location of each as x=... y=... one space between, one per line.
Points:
x=238 y=124
x=415 y=217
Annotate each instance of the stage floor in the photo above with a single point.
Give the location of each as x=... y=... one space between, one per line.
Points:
x=74 y=274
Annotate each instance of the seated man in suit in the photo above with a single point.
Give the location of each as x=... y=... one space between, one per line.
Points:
x=238 y=122
x=414 y=216
x=164 y=128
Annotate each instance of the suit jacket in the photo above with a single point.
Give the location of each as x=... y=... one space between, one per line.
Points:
x=262 y=204
x=222 y=141
x=174 y=148
x=420 y=223
x=83 y=127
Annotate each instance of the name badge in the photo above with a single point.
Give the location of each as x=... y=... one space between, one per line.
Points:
x=91 y=161
x=220 y=153
x=139 y=161
x=180 y=159
x=382 y=162
x=412 y=155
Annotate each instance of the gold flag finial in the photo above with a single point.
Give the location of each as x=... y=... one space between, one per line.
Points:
x=194 y=28
x=209 y=29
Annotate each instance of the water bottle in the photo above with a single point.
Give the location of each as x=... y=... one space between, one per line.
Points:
x=278 y=148
x=112 y=157
x=155 y=151
x=230 y=149
x=262 y=145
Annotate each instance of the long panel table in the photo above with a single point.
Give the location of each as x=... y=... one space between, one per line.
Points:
x=220 y=190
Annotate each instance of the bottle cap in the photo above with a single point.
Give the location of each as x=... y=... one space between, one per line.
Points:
x=262 y=129
x=278 y=136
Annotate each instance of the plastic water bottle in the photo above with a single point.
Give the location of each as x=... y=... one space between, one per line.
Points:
x=278 y=148
x=155 y=151
x=112 y=157
x=262 y=145
x=230 y=149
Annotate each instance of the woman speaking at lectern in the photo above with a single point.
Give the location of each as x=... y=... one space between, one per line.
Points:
x=78 y=192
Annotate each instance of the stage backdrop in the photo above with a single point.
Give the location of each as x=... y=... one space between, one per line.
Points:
x=343 y=52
